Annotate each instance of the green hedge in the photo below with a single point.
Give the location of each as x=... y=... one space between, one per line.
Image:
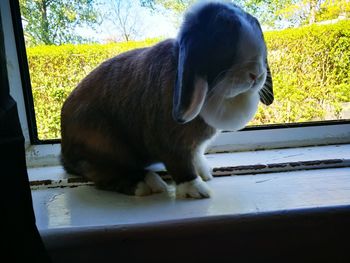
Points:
x=310 y=68
x=56 y=70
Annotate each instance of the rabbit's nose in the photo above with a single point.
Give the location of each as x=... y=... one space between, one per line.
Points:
x=253 y=76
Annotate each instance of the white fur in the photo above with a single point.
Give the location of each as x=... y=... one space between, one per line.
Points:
x=200 y=162
x=231 y=113
x=203 y=168
x=156 y=183
x=142 y=189
x=193 y=189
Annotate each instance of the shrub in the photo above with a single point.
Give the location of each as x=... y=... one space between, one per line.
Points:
x=310 y=69
x=56 y=70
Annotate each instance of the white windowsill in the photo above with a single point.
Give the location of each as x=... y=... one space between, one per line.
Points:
x=61 y=204
x=85 y=206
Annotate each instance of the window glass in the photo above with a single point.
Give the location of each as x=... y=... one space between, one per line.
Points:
x=308 y=51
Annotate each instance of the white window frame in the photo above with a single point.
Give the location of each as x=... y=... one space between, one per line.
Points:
x=14 y=76
x=248 y=140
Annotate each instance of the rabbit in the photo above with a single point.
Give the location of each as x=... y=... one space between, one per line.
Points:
x=165 y=103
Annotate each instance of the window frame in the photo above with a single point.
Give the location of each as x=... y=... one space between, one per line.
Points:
x=251 y=138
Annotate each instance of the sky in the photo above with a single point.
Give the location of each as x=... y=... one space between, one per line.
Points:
x=148 y=24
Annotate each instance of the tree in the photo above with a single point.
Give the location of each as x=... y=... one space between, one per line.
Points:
x=54 y=22
x=292 y=13
x=178 y=6
x=332 y=9
x=125 y=17
x=274 y=14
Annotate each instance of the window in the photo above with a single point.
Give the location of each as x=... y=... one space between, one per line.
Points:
x=280 y=133
x=303 y=203
x=311 y=81
x=309 y=109
x=311 y=88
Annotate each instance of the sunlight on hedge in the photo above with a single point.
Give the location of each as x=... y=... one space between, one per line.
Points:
x=310 y=70
x=56 y=70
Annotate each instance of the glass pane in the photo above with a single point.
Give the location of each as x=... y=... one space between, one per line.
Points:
x=310 y=69
x=308 y=51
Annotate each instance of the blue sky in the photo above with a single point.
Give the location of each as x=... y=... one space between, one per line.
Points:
x=148 y=24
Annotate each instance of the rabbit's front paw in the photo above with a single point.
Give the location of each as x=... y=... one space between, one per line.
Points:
x=193 y=189
x=203 y=168
x=142 y=189
x=155 y=182
x=152 y=184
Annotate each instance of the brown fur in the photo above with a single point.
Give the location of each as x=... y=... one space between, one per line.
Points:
x=119 y=119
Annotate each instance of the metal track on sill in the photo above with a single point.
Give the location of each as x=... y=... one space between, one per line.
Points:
x=76 y=181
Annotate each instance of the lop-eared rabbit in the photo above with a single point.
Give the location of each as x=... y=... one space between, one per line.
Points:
x=165 y=103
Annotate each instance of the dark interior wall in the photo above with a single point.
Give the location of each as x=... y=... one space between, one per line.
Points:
x=20 y=235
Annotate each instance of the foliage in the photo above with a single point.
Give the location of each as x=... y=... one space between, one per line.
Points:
x=310 y=70
x=275 y=14
x=124 y=16
x=293 y=13
x=331 y=9
x=56 y=70
x=54 y=22
x=268 y=12
x=178 y=6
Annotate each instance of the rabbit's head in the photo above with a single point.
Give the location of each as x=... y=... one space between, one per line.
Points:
x=222 y=53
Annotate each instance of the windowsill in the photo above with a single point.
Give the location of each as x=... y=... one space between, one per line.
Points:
x=288 y=200
x=274 y=180
x=84 y=206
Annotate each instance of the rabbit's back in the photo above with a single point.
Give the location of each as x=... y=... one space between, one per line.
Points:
x=110 y=109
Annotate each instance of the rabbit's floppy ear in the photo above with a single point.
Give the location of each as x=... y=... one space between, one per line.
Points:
x=266 y=93
x=190 y=88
